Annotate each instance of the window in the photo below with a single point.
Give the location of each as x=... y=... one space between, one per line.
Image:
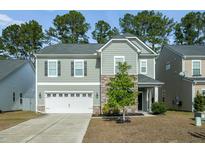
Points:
x=168 y=66
x=14 y=97
x=78 y=68
x=21 y=98
x=117 y=60
x=66 y=95
x=60 y=95
x=52 y=68
x=48 y=95
x=77 y=95
x=72 y=95
x=89 y=95
x=143 y=66
x=84 y=95
x=196 y=67
x=203 y=92
x=54 y=95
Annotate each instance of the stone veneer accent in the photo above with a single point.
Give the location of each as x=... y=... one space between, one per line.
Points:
x=41 y=108
x=96 y=110
x=104 y=81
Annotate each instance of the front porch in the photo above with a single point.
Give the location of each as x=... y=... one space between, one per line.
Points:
x=147 y=92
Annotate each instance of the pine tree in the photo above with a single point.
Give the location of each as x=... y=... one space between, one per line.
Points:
x=121 y=89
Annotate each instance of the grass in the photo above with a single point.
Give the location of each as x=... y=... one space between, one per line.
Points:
x=9 y=119
x=171 y=127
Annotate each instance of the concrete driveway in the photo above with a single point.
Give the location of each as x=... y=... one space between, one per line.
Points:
x=50 y=128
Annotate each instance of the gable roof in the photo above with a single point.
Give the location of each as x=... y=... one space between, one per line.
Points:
x=71 y=49
x=9 y=66
x=188 y=50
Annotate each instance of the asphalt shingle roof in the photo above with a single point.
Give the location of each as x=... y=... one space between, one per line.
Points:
x=9 y=66
x=71 y=49
x=145 y=79
x=188 y=50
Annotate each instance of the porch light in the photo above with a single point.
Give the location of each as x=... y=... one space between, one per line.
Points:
x=39 y=95
x=96 y=95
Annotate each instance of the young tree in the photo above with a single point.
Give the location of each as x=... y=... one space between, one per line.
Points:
x=152 y=27
x=121 y=89
x=191 y=29
x=69 y=28
x=103 y=32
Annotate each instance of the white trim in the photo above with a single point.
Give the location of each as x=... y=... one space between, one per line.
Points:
x=143 y=44
x=143 y=60
x=183 y=65
x=36 y=86
x=100 y=50
x=193 y=96
x=123 y=57
x=101 y=63
x=68 y=83
x=56 y=61
x=154 y=67
x=150 y=83
x=79 y=60
x=56 y=91
x=192 y=65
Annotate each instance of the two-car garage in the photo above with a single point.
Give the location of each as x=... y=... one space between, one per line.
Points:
x=69 y=102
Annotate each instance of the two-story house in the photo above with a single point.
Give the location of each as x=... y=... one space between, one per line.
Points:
x=72 y=78
x=182 y=69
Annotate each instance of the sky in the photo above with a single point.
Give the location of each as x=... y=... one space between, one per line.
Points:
x=45 y=18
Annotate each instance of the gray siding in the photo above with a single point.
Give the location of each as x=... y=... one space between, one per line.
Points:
x=139 y=45
x=150 y=66
x=93 y=71
x=118 y=49
x=19 y=82
x=94 y=88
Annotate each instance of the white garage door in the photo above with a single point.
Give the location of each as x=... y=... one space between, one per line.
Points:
x=69 y=102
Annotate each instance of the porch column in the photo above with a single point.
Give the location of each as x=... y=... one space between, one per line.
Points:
x=150 y=99
x=156 y=94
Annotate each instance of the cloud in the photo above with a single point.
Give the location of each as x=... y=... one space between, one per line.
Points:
x=5 y=20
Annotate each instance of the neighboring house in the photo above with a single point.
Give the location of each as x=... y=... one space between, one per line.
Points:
x=17 y=78
x=72 y=78
x=182 y=69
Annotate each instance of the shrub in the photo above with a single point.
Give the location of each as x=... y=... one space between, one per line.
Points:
x=108 y=110
x=199 y=103
x=159 y=108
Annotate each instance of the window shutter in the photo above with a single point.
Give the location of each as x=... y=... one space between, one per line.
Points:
x=85 y=68
x=72 y=68
x=59 y=68
x=46 y=68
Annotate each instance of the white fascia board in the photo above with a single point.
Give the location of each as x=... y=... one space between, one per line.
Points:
x=100 y=50
x=144 y=44
x=68 y=83
x=151 y=83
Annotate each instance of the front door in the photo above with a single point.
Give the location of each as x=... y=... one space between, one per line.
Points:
x=140 y=101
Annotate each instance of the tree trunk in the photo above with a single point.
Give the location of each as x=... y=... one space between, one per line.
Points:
x=123 y=116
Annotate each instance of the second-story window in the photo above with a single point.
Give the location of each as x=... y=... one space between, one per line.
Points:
x=143 y=66
x=52 y=68
x=196 y=67
x=78 y=68
x=117 y=60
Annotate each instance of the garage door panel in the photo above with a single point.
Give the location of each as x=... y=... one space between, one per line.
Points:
x=69 y=103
